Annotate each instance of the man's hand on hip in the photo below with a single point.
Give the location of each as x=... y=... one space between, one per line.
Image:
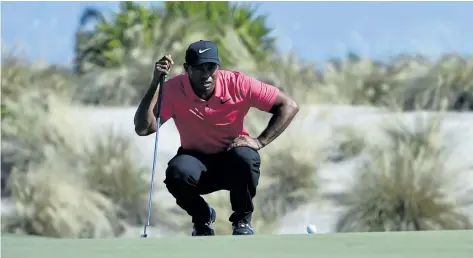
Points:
x=245 y=141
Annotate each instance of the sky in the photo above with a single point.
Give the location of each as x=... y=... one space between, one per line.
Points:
x=316 y=31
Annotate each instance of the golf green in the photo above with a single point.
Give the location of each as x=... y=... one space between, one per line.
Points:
x=432 y=244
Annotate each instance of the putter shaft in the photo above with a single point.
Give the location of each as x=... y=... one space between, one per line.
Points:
x=158 y=120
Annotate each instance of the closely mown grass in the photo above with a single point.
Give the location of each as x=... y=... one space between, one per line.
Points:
x=407 y=185
x=440 y=244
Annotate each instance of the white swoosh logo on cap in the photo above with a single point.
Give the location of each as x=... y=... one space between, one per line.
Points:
x=202 y=51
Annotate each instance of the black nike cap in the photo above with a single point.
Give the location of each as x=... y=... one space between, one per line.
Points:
x=201 y=52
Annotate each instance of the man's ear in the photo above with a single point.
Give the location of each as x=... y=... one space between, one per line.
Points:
x=186 y=67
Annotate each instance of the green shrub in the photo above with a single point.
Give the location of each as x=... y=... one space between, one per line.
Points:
x=407 y=185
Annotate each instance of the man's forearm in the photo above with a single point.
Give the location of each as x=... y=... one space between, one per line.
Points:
x=280 y=120
x=144 y=116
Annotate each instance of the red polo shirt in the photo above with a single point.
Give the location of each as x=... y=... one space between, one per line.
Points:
x=210 y=126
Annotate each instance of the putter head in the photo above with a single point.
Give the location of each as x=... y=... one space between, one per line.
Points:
x=144 y=236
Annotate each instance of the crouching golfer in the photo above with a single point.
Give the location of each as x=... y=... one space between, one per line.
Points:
x=208 y=106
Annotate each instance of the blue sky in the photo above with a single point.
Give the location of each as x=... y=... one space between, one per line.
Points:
x=314 y=30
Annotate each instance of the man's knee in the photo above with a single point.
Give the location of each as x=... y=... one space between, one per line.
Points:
x=245 y=158
x=184 y=169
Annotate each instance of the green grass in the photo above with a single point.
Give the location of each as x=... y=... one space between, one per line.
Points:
x=431 y=244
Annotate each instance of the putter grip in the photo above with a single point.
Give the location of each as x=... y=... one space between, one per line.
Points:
x=160 y=94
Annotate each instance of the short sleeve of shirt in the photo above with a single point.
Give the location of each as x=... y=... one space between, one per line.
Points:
x=167 y=103
x=260 y=95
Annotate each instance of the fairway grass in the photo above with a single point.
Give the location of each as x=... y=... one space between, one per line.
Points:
x=449 y=244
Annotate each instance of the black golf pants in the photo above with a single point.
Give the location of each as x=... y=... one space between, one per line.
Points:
x=190 y=175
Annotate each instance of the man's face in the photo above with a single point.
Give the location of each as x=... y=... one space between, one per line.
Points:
x=204 y=76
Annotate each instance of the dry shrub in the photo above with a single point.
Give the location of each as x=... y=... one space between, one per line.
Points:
x=406 y=82
x=50 y=201
x=423 y=135
x=464 y=102
x=407 y=186
x=31 y=93
x=403 y=83
x=346 y=142
x=111 y=168
x=37 y=135
x=297 y=78
x=439 y=86
x=101 y=187
x=357 y=81
x=234 y=53
x=289 y=168
x=408 y=66
x=34 y=127
x=289 y=173
x=20 y=75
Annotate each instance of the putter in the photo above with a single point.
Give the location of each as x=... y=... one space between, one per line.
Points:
x=158 y=118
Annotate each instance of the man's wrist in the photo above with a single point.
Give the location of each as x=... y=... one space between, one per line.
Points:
x=259 y=143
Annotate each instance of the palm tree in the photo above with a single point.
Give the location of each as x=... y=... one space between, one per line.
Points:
x=251 y=28
x=98 y=46
x=101 y=45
